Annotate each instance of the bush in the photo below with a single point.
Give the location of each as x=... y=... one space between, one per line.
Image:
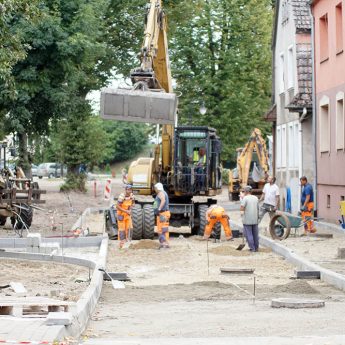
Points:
x=74 y=183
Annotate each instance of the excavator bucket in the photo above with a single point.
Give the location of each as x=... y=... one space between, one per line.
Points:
x=138 y=106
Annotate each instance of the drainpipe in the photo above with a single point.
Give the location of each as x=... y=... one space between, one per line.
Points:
x=314 y=108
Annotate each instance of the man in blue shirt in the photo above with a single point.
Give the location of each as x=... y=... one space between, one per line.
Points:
x=307 y=205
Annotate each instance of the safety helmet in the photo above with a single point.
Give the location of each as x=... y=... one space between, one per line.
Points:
x=248 y=189
x=128 y=186
x=159 y=186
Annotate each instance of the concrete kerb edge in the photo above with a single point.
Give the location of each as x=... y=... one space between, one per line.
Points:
x=330 y=227
x=328 y=276
x=87 y=241
x=88 y=300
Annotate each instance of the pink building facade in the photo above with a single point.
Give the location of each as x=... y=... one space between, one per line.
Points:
x=329 y=57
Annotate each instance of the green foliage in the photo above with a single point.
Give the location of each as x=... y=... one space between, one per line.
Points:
x=74 y=182
x=220 y=53
x=63 y=63
x=12 y=48
x=79 y=141
x=126 y=139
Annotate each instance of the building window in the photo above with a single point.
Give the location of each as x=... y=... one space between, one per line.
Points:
x=291 y=73
x=328 y=201
x=283 y=146
x=339 y=27
x=293 y=145
x=324 y=128
x=323 y=23
x=279 y=148
x=342 y=198
x=297 y=144
x=281 y=74
x=340 y=124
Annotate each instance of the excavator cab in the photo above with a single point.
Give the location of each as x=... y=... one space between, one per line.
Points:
x=197 y=169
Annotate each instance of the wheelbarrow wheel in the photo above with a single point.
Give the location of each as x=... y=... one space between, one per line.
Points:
x=280 y=227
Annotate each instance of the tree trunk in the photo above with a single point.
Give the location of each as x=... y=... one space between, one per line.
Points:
x=24 y=156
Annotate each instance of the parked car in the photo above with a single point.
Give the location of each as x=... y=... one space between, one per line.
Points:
x=34 y=170
x=50 y=170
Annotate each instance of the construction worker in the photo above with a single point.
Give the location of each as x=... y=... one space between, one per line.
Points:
x=162 y=213
x=124 y=205
x=199 y=162
x=271 y=197
x=250 y=215
x=215 y=214
x=307 y=205
x=199 y=157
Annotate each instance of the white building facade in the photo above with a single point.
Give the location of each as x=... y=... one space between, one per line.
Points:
x=292 y=99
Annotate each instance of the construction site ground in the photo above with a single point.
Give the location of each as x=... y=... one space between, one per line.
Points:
x=180 y=293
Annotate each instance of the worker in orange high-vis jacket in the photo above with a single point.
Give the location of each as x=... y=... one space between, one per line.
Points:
x=162 y=213
x=216 y=214
x=124 y=205
x=307 y=205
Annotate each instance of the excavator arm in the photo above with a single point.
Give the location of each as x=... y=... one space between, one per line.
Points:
x=257 y=143
x=152 y=99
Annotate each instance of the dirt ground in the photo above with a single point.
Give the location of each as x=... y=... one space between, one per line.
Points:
x=60 y=281
x=180 y=292
x=62 y=210
x=173 y=294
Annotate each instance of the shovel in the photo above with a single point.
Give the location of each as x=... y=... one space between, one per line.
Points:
x=242 y=245
x=116 y=283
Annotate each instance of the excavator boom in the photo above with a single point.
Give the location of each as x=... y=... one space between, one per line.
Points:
x=256 y=144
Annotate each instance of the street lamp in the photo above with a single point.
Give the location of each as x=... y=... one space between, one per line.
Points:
x=203 y=109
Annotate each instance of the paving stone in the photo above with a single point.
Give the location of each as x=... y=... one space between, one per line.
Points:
x=296 y=303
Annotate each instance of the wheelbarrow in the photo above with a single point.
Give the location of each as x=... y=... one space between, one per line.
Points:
x=281 y=224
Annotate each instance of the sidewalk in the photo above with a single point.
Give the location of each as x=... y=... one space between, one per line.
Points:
x=322 y=252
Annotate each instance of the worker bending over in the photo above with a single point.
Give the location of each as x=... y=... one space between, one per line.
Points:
x=307 y=205
x=162 y=213
x=124 y=206
x=216 y=214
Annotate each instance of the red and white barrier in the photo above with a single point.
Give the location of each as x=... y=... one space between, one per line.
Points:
x=107 y=189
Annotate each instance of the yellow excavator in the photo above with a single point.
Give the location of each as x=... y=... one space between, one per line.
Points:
x=252 y=167
x=187 y=161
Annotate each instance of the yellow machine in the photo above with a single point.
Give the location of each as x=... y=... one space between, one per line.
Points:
x=176 y=162
x=247 y=173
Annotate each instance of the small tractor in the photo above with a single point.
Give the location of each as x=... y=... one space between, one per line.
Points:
x=17 y=196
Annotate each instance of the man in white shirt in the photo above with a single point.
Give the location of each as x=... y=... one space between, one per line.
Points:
x=271 y=197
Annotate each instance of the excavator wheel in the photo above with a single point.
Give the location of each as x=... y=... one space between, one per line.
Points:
x=149 y=222
x=137 y=220
x=24 y=221
x=203 y=220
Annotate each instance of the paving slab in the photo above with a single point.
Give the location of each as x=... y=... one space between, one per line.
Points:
x=313 y=340
x=297 y=303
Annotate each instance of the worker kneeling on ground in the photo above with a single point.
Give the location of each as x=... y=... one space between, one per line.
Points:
x=124 y=205
x=216 y=214
x=161 y=210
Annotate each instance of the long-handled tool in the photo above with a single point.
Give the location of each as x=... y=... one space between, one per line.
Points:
x=243 y=244
x=116 y=283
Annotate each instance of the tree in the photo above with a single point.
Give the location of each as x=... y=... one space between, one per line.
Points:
x=220 y=53
x=61 y=67
x=12 y=49
x=125 y=140
x=76 y=142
